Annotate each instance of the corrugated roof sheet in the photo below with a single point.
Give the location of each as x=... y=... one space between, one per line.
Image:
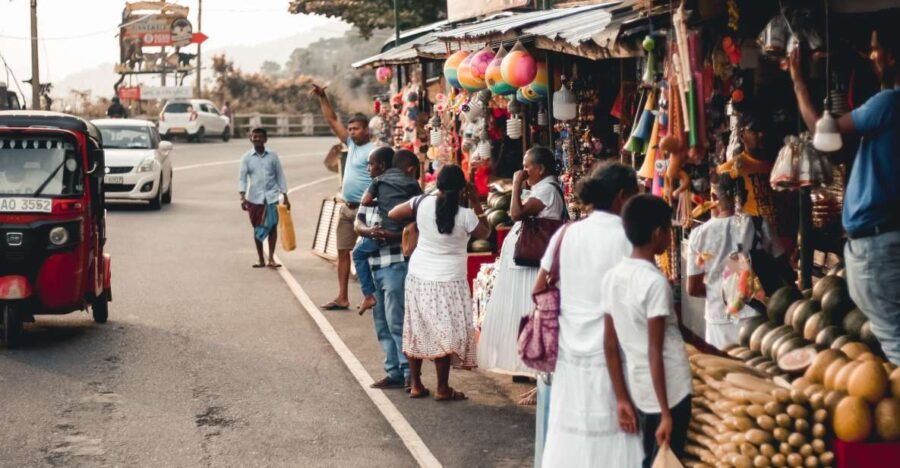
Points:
x=510 y=22
x=573 y=29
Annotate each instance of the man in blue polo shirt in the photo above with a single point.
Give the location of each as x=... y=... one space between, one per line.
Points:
x=871 y=214
x=356 y=180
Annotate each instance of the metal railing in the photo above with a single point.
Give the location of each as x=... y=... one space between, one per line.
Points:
x=282 y=124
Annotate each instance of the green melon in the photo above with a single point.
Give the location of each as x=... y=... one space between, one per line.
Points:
x=757 y=336
x=497 y=217
x=502 y=202
x=840 y=341
x=796 y=341
x=802 y=313
x=853 y=322
x=816 y=323
x=789 y=315
x=781 y=300
x=837 y=303
x=492 y=198
x=827 y=336
x=766 y=346
x=827 y=283
x=807 y=293
x=773 y=349
x=748 y=327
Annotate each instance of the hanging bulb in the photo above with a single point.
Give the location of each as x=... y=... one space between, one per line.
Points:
x=542 y=119
x=514 y=127
x=437 y=137
x=827 y=138
x=564 y=104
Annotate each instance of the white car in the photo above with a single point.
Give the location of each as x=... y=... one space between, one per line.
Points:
x=194 y=119
x=138 y=162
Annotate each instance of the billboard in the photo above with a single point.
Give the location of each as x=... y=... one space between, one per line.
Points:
x=462 y=9
x=159 y=31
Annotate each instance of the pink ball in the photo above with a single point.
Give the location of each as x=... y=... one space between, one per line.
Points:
x=480 y=62
x=518 y=68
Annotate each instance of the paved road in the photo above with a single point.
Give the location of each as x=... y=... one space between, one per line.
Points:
x=207 y=362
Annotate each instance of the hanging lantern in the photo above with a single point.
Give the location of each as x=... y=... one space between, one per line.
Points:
x=539 y=85
x=466 y=78
x=564 y=104
x=514 y=127
x=451 y=65
x=494 y=78
x=384 y=74
x=480 y=62
x=518 y=67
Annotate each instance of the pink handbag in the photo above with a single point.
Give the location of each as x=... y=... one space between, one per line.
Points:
x=539 y=332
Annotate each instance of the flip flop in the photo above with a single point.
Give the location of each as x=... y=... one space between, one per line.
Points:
x=424 y=393
x=334 y=306
x=452 y=396
x=259 y=265
x=386 y=383
x=273 y=265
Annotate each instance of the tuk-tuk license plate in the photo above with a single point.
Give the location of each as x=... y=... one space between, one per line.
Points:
x=25 y=205
x=119 y=180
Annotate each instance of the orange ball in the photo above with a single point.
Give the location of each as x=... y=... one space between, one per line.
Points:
x=737 y=95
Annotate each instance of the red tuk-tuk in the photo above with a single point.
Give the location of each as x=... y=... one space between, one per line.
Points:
x=52 y=220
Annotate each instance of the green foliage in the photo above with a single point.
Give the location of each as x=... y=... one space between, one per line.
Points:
x=371 y=15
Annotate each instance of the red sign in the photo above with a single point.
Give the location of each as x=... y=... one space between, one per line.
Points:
x=130 y=93
x=199 y=38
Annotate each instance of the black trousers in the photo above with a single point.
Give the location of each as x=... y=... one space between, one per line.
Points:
x=649 y=422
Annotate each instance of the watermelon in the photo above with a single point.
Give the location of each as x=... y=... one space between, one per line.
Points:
x=769 y=339
x=837 y=303
x=802 y=313
x=757 y=336
x=816 y=323
x=502 y=202
x=853 y=322
x=827 y=336
x=798 y=360
x=827 y=283
x=497 y=217
x=780 y=301
x=773 y=349
x=840 y=341
x=867 y=337
x=747 y=328
x=807 y=293
x=789 y=315
x=789 y=345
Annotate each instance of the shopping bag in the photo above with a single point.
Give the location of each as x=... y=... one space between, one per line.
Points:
x=665 y=458
x=286 y=228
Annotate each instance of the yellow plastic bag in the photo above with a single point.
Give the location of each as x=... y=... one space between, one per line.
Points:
x=665 y=458
x=286 y=228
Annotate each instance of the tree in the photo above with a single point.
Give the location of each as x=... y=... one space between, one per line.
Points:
x=369 y=15
x=270 y=68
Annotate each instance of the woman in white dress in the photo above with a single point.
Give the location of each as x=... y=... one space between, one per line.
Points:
x=584 y=429
x=438 y=323
x=498 y=349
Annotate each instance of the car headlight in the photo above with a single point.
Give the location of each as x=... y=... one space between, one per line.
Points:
x=59 y=235
x=147 y=165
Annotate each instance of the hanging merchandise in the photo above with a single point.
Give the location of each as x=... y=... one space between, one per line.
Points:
x=480 y=62
x=650 y=67
x=773 y=40
x=518 y=67
x=814 y=170
x=542 y=119
x=466 y=76
x=494 y=78
x=451 y=66
x=786 y=171
x=564 y=104
x=384 y=74
x=514 y=122
x=482 y=152
x=529 y=98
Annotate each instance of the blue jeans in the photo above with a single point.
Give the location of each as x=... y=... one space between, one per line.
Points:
x=873 y=274
x=361 y=253
x=388 y=315
x=542 y=417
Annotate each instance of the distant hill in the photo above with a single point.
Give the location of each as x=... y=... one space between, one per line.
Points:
x=100 y=79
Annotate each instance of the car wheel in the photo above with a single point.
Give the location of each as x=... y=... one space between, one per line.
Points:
x=157 y=201
x=11 y=325
x=198 y=137
x=226 y=134
x=100 y=308
x=167 y=197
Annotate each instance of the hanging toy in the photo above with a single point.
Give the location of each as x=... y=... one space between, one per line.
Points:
x=494 y=78
x=451 y=66
x=480 y=62
x=518 y=68
x=384 y=74
x=466 y=77
x=650 y=68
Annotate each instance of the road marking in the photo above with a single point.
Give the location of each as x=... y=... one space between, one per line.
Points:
x=235 y=161
x=309 y=184
x=407 y=434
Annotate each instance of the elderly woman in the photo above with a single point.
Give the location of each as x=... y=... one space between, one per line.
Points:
x=536 y=193
x=584 y=427
x=438 y=320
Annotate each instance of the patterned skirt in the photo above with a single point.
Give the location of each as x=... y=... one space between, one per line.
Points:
x=438 y=321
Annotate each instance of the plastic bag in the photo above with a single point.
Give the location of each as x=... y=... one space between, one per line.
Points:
x=739 y=284
x=785 y=172
x=286 y=228
x=815 y=169
x=665 y=458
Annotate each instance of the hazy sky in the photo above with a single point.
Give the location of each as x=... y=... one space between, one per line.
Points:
x=79 y=34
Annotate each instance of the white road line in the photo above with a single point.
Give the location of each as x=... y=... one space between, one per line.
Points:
x=235 y=161
x=407 y=434
x=309 y=184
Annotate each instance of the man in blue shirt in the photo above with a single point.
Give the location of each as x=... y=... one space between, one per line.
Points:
x=871 y=214
x=263 y=170
x=356 y=180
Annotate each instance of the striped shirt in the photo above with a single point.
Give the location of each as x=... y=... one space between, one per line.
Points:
x=390 y=253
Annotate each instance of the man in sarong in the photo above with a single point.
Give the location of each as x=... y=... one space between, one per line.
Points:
x=262 y=168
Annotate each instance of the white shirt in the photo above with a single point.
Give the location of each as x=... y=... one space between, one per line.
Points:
x=440 y=257
x=590 y=248
x=635 y=291
x=548 y=193
x=709 y=247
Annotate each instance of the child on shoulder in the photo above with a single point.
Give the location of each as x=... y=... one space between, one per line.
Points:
x=641 y=319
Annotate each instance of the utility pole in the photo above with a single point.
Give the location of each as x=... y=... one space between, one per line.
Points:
x=199 y=58
x=397 y=44
x=35 y=69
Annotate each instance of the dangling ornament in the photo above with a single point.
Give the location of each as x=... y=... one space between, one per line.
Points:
x=518 y=67
x=650 y=68
x=384 y=74
x=436 y=136
x=564 y=103
x=494 y=78
x=480 y=62
x=539 y=85
x=466 y=78
x=451 y=66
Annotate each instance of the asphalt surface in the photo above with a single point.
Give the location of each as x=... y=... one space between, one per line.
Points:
x=208 y=362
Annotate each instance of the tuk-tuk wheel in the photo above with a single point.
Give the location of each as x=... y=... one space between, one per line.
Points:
x=11 y=326
x=100 y=309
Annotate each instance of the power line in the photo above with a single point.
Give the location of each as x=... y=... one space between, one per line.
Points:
x=79 y=36
x=11 y=72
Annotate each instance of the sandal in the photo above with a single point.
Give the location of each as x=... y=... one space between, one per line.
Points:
x=273 y=265
x=386 y=382
x=334 y=306
x=259 y=265
x=452 y=396
x=422 y=394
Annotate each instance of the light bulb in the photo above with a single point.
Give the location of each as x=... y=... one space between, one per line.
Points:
x=564 y=104
x=827 y=138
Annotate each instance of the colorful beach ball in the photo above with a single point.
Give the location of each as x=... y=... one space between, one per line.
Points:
x=466 y=76
x=494 y=78
x=384 y=74
x=451 y=65
x=480 y=62
x=518 y=67
x=540 y=85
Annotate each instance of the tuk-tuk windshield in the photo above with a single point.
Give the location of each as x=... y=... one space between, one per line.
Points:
x=39 y=166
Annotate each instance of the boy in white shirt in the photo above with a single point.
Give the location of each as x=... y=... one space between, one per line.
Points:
x=639 y=308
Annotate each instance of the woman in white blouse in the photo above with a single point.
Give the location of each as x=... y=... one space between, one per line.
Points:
x=536 y=193
x=438 y=323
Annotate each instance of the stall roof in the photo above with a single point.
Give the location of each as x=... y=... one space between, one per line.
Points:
x=502 y=24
